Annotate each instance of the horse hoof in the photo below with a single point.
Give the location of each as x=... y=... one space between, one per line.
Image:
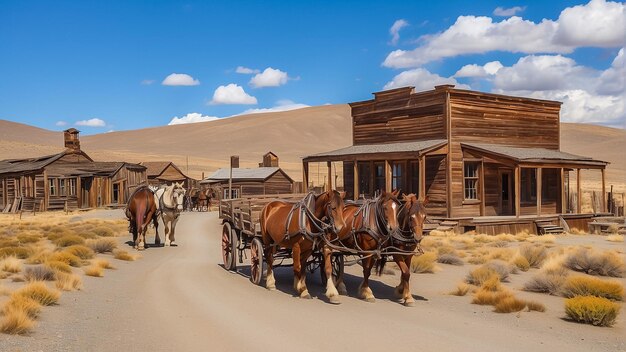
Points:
x=271 y=288
x=370 y=300
x=172 y=244
x=334 y=300
x=343 y=292
x=305 y=295
x=409 y=303
x=167 y=244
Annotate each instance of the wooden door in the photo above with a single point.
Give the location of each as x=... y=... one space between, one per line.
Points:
x=85 y=188
x=506 y=192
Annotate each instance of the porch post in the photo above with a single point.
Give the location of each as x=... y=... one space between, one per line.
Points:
x=388 y=176
x=46 y=191
x=518 y=187
x=305 y=176
x=603 y=192
x=422 y=177
x=330 y=176
x=356 y=180
x=578 y=194
x=563 y=199
x=481 y=184
x=79 y=198
x=538 y=176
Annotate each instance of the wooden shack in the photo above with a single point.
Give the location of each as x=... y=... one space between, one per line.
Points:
x=165 y=173
x=251 y=181
x=67 y=180
x=473 y=154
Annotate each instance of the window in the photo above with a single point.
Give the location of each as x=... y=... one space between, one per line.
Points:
x=529 y=186
x=397 y=176
x=414 y=178
x=379 y=176
x=52 y=186
x=116 y=193
x=549 y=185
x=470 y=179
x=365 y=178
x=234 y=193
x=62 y=189
x=71 y=186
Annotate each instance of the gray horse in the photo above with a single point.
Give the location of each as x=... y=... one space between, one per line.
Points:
x=169 y=200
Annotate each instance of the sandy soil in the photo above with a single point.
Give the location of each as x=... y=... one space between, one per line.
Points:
x=181 y=299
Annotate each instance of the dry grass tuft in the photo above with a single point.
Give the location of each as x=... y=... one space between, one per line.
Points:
x=27 y=305
x=39 y=273
x=489 y=298
x=592 y=310
x=547 y=282
x=69 y=240
x=542 y=239
x=83 y=252
x=28 y=237
x=94 y=271
x=595 y=263
x=461 y=289
x=481 y=274
x=509 y=305
x=591 y=286
x=102 y=245
x=103 y=231
x=68 y=282
x=521 y=263
x=450 y=258
x=424 y=263
x=535 y=306
x=477 y=258
x=19 y=252
x=59 y=266
x=534 y=254
x=11 y=265
x=103 y=263
x=16 y=322
x=492 y=284
x=66 y=257
x=615 y=238
x=123 y=255
x=502 y=268
x=38 y=291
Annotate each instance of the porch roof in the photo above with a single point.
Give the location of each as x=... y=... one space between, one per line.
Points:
x=372 y=149
x=535 y=155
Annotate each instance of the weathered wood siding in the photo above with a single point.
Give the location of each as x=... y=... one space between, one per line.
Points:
x=397 y=116
x=348 y=179
x=171 y=174
x=278 y=183
x=436 y=185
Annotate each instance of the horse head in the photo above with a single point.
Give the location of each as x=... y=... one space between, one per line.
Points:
x=330 y=205
x=178 y=195
x=387 y=206
x=413 y=215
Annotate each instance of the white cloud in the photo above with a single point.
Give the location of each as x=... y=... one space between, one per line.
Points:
x=192 y=117
x=394 y=31
x=612 y=80
x=232 y=94
x=147 y=82
x=180 y=79
x=421 y=79
x=504 y=12
x=597 y=24
x=473 y=70
x=246 y=71
x=95 y=122
x=61 y=123
x=281 y=105
x=269 y=78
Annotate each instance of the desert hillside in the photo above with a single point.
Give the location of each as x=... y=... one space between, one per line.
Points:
x=206 y=146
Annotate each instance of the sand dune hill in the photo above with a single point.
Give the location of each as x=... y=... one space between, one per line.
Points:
x=291 y=134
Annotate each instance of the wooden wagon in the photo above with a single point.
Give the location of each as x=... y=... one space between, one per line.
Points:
x=241 y=231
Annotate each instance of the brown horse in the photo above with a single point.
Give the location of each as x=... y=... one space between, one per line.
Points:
x=369 y=225
x=411 y=221
x=141 y=209
x=298 y=227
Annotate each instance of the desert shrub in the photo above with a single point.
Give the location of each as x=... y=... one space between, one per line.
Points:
x=66 y=257
x=492 y=284
x=615 y=238
x=591 y=286
x=94 y=271
x=39 y=273
x=123 y=255
x=9 y=242
x=542 y=239
x=38 y=291
x=103 y=231
x=535 y=306
x=83 y=252
x=489 y=298
x=446 y=249
x=613 y=228
x=102 y=245
x=69 y=240
x=11 y=265
x=547 y=282
x=483 y=238
x=501 y=253
x=534 y=254
x=477 y=259
x=103 y=263
x=505 y=237
x=424 y=263
x=68 y=282
x=502 y=268
x=451 y=259
x=26 y=238
x=26 y=304
x=499 y=244
x=521 y=263
x=461 y=289
x=16 y=322
x=19 y=252
x=481 y=274
x=596 y=263
x=57 y=265
x=592 y=310
x=509 y=305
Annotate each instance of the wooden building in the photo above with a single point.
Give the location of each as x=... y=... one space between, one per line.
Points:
x=473 y=154
x=67 y=180
x=165 y=173
x=251 y=181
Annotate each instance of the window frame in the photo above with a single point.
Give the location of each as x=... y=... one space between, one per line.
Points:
x=52 y=187
x=476 y=179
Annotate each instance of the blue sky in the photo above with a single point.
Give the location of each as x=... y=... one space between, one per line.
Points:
x=117 y=65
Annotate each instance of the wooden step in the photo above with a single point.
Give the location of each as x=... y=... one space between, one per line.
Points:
x=449 y=223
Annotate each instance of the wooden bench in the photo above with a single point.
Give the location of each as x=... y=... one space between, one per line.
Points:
x=598 y=228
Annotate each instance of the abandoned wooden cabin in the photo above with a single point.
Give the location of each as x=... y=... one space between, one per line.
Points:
x=165 y=173
x=265 y=179
x=485 y=161
x=67 y=180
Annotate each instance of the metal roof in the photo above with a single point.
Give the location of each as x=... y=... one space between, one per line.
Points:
x=259 y=174
x=384 y=148
x=532 y=154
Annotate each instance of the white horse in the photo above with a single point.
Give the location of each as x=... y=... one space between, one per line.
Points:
x=169 y=200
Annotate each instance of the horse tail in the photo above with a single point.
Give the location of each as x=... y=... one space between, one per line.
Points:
x=142 y=211
x=380 y=265
x=265 y=237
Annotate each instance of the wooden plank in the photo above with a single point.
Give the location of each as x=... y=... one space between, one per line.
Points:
x=538 y=175
x=422 y=177
x=329 y=186
x=518 y=192
x=305 y=176
x=482 y=188
x=604 y=191
x=448 y=119
x=356 y=180
x=578 y=195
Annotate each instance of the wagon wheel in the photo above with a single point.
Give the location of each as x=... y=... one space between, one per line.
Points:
x=337 y=264
x=256 y=261
x=229 y=247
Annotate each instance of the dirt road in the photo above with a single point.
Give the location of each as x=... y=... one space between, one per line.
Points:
x=181 y=299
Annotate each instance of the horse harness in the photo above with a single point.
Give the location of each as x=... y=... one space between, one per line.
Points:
x=318 y=226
